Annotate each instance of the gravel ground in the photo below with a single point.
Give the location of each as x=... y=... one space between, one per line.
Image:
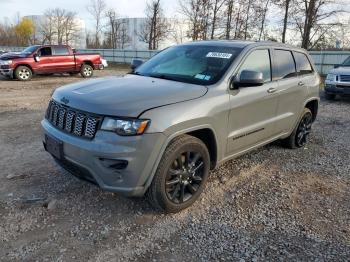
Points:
x=271 y=204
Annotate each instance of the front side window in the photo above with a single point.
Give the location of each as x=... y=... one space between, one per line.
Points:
x=197 y=64
x=284 y=64
x=45 y=51
x=258 y=60
x=303 y=63
x=61 y=51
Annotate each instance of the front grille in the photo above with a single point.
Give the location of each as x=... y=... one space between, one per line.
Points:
x=72 y=121
x=344 y=78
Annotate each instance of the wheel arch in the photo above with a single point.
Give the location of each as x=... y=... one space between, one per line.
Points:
x=21 y=64
x=312 y=104
x=200 y=132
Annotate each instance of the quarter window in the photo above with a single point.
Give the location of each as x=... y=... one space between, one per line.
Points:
x=61 y=51
x=303 y=63
x=284 y=63
x=258 y=60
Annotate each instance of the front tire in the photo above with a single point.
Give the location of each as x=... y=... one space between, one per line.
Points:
x=300 y=134
x=23 y=73
x=181 y=175
x=86 y=71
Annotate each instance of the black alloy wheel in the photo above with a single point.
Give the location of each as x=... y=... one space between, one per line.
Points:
x=303 y=130
x=184 y=177
x=181 y=175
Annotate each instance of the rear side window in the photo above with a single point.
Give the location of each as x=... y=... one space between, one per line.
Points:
x=303 y=63
x=45 y=51
x=61 y=50
x=258 y=60
x=284 y=64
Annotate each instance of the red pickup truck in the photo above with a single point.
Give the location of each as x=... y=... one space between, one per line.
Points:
x=48 y=59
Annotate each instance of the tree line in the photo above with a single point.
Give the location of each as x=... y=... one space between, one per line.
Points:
x=311 y=24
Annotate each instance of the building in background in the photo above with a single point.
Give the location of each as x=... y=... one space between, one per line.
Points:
x=73 y=34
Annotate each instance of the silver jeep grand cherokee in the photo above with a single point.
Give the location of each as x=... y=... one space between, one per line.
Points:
x=160 y=129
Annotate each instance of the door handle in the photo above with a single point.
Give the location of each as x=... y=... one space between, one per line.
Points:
x=300 y=83
x=271 y=90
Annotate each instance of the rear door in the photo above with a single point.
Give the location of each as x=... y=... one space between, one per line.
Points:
x=291 y=89
x=253 y=109
x=63 y=60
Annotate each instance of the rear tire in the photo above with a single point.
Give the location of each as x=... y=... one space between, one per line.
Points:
x=329 y=96
x=86 y=71
x=181 y=175
x=23 y=73
x=300 y=134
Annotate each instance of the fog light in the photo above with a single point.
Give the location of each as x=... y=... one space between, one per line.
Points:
x=117 y=164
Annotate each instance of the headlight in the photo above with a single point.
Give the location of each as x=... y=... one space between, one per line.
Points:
x=125 y=127
x=6 y=62
x=331 y=77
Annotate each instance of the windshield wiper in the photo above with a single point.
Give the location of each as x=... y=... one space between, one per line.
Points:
x=162 y=76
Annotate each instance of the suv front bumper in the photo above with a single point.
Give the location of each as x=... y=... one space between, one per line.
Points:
x=98 y=160
x=337 y=88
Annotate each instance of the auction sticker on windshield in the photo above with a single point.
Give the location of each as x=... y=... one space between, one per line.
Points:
x=219 y=55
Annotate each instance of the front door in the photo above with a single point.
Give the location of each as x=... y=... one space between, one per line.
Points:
x=252 y=117
x=44 y=66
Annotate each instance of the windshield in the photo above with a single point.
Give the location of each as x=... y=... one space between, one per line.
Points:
x=346 y=62
x=195 y=64
x=30 y=49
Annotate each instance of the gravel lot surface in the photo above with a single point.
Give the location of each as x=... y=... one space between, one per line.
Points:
x=271 y=204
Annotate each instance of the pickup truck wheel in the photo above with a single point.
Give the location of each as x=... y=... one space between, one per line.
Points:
x=86 y=71
x=23 y=73
x=181 y=175
x=300 y=135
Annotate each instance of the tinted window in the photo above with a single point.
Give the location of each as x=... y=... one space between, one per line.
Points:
x=61 y=51
x=198 y=64
x=303 y=64
x=45 y=51
x=284 y=63
x=258 y=60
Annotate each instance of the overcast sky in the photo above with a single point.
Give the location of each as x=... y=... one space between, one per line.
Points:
x=128 y=8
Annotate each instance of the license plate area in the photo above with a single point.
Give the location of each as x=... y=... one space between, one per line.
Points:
x=54 y=147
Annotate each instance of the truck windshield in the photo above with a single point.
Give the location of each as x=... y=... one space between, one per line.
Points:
x=30 y=49
x=194 y=64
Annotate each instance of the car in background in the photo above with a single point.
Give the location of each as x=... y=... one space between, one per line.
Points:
x=338 y=80
x=48 y=59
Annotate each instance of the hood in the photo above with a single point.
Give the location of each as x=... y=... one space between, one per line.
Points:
x=341 y=70
x=10 y=56
x=125 y=96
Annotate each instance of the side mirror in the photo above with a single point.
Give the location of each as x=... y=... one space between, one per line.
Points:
x=135 y=63
x=248 y=78
x=36 y=58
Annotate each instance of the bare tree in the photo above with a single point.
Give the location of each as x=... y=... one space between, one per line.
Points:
x=310 y=19
x=216 y=11
x=263 y=18
x=112 y=26
x=48 y=27
x=156 y=26
x=198 y=13
x=97 y=8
